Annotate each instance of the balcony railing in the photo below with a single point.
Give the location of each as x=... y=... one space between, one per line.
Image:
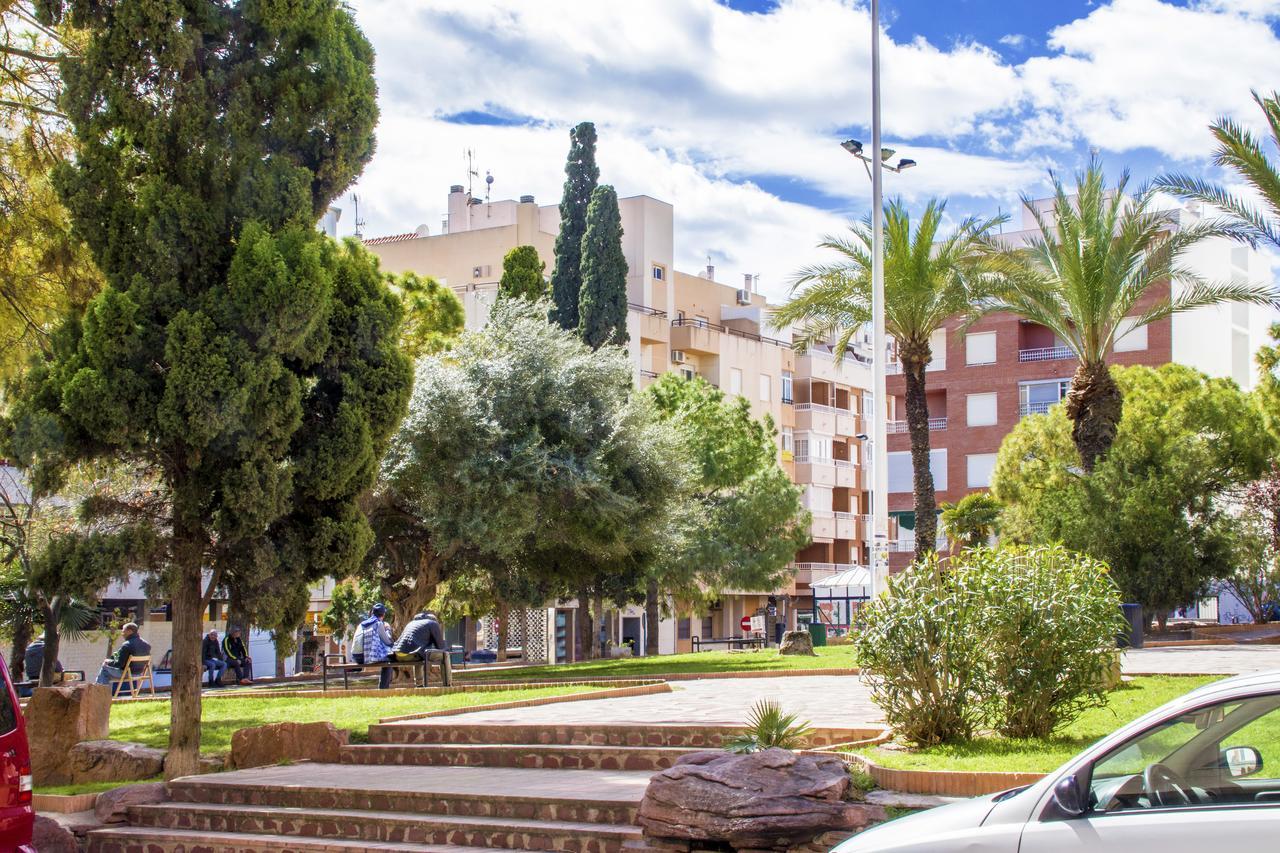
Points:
x=893 y=367
x=846 y=516
x=1045 y=354
x=906 y=545
x=901 y=426
x=1036 y=408
x=813 y=460
x=645 y=309
x=648 y=374
x=736 y=333
x=845 y=463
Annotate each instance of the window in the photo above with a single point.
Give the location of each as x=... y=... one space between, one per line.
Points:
x=786 y=386
x=1129 y=339
x=684 y=628
x=1240 y=257
x=813 y=446
x=981 y=409
x=687 y=372
x=1240 y=366
x=788 y=439
x=708 y=627
x=901 y=478
x=980 y=348
x=1036 y=398
x=938 y=346
x=659 y=272
x=702 y=320
x=980 y=466
x=735 y=381
x=766 y=387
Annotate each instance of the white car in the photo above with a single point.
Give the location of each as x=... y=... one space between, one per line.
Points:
x=1198 y=775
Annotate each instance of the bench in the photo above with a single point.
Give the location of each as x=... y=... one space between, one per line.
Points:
x=135 y=680
x=25 y=688
x=420 y=669
x=729 y=642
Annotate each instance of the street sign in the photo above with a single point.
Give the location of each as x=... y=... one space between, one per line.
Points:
x=746 y=623
x=757 y=624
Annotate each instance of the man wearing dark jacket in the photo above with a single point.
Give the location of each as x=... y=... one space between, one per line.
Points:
x=211 y=654
x=421 y=634
x=33 y=660
x=132 y=646
x=237 y=656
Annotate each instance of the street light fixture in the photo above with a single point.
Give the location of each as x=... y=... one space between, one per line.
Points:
x=854 y=147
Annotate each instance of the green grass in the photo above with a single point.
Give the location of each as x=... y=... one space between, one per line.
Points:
x=1040 y=755
x=90 y=787
x=829 y=657
x=148 y=722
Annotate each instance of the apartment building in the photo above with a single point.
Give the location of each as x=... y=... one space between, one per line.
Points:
x=694 y=325
x=984 y=379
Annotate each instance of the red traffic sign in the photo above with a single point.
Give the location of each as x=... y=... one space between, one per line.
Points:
x=746 y=623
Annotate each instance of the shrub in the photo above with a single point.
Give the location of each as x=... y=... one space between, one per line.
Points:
x=917 y=652
x=1048 y=621
x=769 y=727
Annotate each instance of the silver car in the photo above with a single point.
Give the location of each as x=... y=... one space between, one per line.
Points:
x=1198 y=775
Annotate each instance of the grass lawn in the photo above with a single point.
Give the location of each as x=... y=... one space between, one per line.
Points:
x=829 y=657
x=1040 y=755
x=90 y=787
x=148 y=722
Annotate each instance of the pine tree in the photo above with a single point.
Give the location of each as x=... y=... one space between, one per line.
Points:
x=522 y=275
x=581 y=173
x=603 y=301
x=243 y=356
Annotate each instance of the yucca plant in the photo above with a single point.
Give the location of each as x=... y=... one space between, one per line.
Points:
x=768 y=728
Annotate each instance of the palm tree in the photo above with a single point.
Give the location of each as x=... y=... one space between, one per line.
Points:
x=971 y=521
x=926 y=280
x=1101 y=258
x=1240 y=151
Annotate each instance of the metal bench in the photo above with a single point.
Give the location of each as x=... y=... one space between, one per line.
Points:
x=421 y=669
x=728 y=642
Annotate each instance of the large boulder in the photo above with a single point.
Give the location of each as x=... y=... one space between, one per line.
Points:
x=49 y=836
x=277 y=743
x=774 y=799
x=114 y=761
x=113 y=806
x=796 y=643
x=58 y=717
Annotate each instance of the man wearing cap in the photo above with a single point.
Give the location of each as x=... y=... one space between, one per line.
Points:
x=237 y=656
x=211 y=652
x=131 y=646
x=372 y=643
x=422 y=634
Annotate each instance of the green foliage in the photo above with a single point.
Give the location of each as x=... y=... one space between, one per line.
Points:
x=769 y=727
x=581 y=175
x=745 y=521
x=972 y=520
x=602 y=303
x=1012 y=639
x=1254 y=573
x=433 y=314
x=1152 y=510
x=522 y=271
x=349 y=604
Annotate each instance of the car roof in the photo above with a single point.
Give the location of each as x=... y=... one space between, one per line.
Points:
x=1249 y=683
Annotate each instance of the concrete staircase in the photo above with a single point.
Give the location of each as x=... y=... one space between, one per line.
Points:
x=430 y=785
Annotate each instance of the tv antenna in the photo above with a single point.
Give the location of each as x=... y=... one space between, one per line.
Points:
x=469 y=154
x=359 y=223
x=488 y=184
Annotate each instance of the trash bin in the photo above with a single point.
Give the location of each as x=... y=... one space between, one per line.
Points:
x=1132 y=636
x=818 y=632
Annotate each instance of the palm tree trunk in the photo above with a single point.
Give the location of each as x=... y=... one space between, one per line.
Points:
x=914 y=359
x=1094 y=405
x=22 y=628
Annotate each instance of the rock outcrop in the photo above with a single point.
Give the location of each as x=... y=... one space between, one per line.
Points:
x=113 y=806
x=281 y=742
x=796 y=643
x=59 y=717
x=114 y=761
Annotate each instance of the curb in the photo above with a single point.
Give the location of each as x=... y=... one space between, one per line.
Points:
x=64 y=803
x=688 y=676
x=947 y=783
x=616 y=693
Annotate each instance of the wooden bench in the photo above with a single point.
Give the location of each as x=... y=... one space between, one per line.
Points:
x=729 y=642
x=25 y=688
x=420 y=668
x=135 y=680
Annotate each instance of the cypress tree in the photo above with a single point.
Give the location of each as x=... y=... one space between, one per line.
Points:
x=522 y=275
x=241 y=355
x=603 y=301
x=581 y=175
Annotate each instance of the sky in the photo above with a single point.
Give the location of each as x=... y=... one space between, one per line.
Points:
x=733 y=111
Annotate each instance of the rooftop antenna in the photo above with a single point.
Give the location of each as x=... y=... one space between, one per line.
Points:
x=359 y=223
x=470 y=154
x=1000 y=216
x=488 y=184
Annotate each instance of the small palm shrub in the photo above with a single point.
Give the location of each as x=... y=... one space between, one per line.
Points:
x=769 y=727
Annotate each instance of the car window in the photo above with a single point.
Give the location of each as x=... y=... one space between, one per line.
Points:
x=8 y=713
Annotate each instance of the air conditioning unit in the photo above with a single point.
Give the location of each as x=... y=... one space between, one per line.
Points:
x=744 y=296
x=677 y=356
x=480 y=272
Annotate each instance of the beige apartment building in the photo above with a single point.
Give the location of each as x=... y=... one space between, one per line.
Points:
x=696 y=326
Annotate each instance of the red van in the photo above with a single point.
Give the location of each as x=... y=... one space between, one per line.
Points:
x=16 y=814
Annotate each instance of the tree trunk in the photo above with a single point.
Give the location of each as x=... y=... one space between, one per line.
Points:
x=586 y=636
x=652 y=616
x=503 y=612
x=1094 y=405
x=186 y=596
x=914 y=358
x=601 y=623
x=52 y=645
x=22 y=629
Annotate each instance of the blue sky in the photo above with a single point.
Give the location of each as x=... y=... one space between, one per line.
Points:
x=733 y=109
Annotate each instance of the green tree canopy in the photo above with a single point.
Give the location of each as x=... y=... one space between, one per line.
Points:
x=581 y=175
x=602 y=305
x=1152 y=509
x=433 y=314
x=242 y=355
x=522 y=275
x=972 y=520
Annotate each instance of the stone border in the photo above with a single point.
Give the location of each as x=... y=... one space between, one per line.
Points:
x=615 y=693
x=691 y=676
x=65 y=803
x=949 y=783
x=1169 y=644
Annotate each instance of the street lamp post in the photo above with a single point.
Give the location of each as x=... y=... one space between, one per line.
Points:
x=876 y=164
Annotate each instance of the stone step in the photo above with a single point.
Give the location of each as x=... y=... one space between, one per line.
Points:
x=137 y=839
x=387 y=827
x=544 y=756
x=443 y=730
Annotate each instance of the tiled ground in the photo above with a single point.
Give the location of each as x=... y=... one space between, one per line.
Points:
x=1210 y=660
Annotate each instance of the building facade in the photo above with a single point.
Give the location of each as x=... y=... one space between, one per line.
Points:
x=693 y=325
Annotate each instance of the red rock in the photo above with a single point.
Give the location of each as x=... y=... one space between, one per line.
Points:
x=113 y=806
x=114 y=761
x=49 y=836
x=57 y=718
x=279 y=742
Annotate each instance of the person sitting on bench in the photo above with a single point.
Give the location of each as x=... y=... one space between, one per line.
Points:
x=372 y=643
x=421 y=634
x=237 y=656
x=211 y=653
x=133 y=646
x=33 y=661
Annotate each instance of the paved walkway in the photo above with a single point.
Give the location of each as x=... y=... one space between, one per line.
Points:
x=1208 y=660
x=837 y=701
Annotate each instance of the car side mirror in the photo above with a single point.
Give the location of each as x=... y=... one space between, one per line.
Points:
x=1241 y=761
x=1068 y=799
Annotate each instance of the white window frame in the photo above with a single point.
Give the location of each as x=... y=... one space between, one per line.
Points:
x=659 y=272
x=1128 y=338
x=979 y=338
x=981 y=400
x=979 y=477
x=766 y=388
x=735 y=380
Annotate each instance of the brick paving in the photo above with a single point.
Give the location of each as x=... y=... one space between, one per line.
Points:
x=1206 y=660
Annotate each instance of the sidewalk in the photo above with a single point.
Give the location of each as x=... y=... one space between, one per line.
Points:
x=1202 y=660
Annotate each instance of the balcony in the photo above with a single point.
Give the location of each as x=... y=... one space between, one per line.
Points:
x=813 y=417
x=909 y=545
x=647 y=378
x=846 y=473
x=695 y=336
x=812 y=469
x=847 y=526
x=901 y=426
x=654 y=328
x=1041 y=408
x=1045 y=354
x=824 y=525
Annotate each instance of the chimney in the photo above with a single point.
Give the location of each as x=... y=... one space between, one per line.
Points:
x=526 y=199
x=711 y=273
x=746 y=281
x=456 y=188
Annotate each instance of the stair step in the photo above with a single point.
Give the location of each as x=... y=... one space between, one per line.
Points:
x=541 y=756
x=428 y=731
x=387 y=827
x=136 y=839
